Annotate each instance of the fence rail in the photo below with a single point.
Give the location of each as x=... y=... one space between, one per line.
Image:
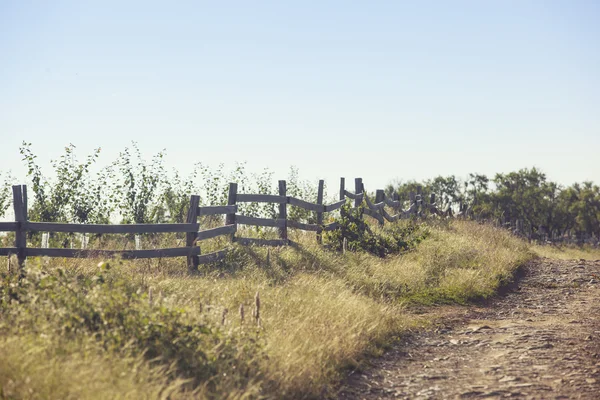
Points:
x=194 y=235
x=108 y=228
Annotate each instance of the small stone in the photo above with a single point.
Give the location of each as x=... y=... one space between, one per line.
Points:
x=471 y=393
x=540 y=347
x=508 y=379
x=591 y=380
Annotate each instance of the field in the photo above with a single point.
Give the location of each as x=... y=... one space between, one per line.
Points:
x=279 y=323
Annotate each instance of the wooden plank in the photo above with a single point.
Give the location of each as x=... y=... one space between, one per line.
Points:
x=374 y=214
x=8 y=226
x=191 y=237
x=335 y=206
x=342 y=188
x=358 y=188
x=305 y=204
x=375 y=207
x=413 y=208
x=5 y=251
x=354 y=196
x=274 y=223
x=212 y=257
x=211 y=233
x=98 y=228
x=24 y=195
x=391 y=203
x=320 y=191
x=216 y=210
x=283 y=210
x=126 y=254
x=20 y=213
x=261 y=198
x=303 y=226
x=379 y=195
x=433 y=209
x=406 y=214
x=390 y=218
x=332 y=226
x=230 y=218
x=261 y=242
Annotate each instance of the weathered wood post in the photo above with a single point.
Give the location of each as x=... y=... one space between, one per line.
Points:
x=320 y=213
x=379 y=195
x=20 y=209
x=342 y=188
x=283 y=211
x=231 y=201
x=190 y=237
x=358 y=188
x=413 y=207
x=396 y=197
x=432 y=202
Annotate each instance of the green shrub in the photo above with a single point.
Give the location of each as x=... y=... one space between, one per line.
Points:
x=359 y=236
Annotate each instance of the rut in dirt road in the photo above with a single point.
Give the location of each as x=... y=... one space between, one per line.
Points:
x=540 y=341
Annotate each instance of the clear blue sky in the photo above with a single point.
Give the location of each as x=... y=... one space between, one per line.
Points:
x=382 y=90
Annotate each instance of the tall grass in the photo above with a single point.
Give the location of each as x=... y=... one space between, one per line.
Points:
x=568 y=252
x=321 y=312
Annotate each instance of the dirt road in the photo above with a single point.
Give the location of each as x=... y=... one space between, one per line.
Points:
x=541 y=340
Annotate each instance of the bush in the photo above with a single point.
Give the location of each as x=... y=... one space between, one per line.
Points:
x=359 y=236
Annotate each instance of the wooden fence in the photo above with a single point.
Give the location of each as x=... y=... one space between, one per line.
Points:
x=191 y=227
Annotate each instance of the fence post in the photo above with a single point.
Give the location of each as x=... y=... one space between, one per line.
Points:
x=379 y=195
x=20 y=209
x=342 y=188
x=358 y=188
x=190 y=237
x=231 y=200
x=283 y=210
x=320 y=214
x=396 y=197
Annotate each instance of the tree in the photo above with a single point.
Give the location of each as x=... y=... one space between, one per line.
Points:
x=137 y=190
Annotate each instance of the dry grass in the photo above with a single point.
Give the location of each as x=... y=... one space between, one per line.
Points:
x=567 y=252
x=320 y=312
x=39 y=367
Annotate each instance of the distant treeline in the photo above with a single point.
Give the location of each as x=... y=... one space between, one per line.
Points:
x=544 y=208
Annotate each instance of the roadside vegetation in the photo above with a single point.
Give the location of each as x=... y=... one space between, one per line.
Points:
x=286 y=327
